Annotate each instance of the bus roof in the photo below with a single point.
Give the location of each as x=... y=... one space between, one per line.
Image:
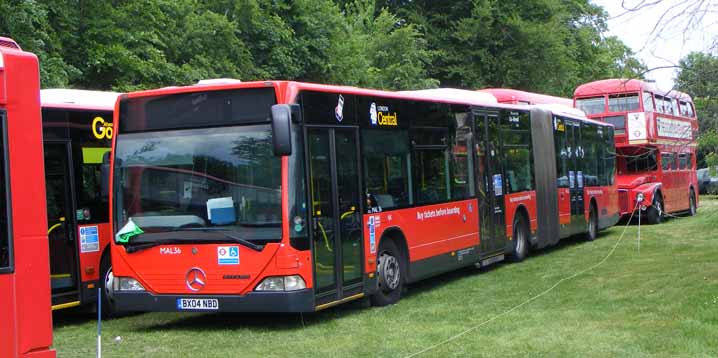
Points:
x=622 y=85
x=291 y=88
x=78 y=99
x=508 y=95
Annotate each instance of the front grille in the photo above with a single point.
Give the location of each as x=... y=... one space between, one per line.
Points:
x=623 y=201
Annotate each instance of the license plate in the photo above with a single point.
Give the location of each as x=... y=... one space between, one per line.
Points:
x=197 y=304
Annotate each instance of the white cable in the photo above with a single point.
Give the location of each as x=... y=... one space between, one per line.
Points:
x=456 y=336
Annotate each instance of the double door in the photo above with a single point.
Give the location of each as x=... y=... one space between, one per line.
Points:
x=571 y=156
x=490 y=184
x=336 y=212
x=575 y=155
x=60 y=222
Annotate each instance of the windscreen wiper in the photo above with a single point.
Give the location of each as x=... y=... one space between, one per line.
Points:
x=227 y=235
x=131 y=248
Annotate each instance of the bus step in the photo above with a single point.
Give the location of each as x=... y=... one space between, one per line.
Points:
x=490 y=260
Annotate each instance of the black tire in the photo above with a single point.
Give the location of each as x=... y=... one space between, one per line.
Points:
x=391 y=274
x=521 y=239
x=108 y=305
x=654 y=213
x=692 y=207
x=592 y=224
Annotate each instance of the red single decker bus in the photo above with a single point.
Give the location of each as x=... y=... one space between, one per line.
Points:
x=77 y=132
x=293 y=197
x=512 y=96
x=655 y=144
x=25 y=318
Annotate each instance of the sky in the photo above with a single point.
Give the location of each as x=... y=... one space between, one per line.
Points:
x=667 y=46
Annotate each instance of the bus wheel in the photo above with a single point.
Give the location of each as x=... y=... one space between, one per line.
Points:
x=654 y=214
x=692 y=209
x=390 y=274
x=106 y=277
x=592 y=224
x=521 y=239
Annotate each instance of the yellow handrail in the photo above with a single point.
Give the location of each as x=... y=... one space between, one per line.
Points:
x=53 y=227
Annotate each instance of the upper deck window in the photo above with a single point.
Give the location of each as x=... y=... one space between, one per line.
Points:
x=591 y=105
x=648 y=102
x=674 y=107
x=686 y=109
x=623 y=102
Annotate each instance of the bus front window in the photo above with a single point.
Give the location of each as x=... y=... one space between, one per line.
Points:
x=591 y=105
x=623 y=102
x=224 y=178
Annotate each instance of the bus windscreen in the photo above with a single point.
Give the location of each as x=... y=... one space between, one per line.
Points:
x=221 y=183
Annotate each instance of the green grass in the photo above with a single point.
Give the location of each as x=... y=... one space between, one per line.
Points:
x=661 y=302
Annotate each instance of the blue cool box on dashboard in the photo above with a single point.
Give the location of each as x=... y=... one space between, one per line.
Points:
x=222 y=216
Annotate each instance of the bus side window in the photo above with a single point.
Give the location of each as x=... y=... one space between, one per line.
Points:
x=666 y=160
x=462 y=183
x=516 y=138
x=430 y=161
x=386 y=168
x=682 y=161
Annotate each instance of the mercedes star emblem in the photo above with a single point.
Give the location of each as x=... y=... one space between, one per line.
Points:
x=195 y=279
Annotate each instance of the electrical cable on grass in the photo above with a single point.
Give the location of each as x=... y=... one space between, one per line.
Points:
x=531 y=299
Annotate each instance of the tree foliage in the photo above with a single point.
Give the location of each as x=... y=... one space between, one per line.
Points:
x=546 y=46
x=698 y=76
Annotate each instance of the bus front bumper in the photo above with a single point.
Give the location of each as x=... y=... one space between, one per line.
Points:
x=143 y=301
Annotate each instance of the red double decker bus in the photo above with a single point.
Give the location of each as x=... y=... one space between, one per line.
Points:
x=25 y=318
x=293 y=197
x=655 y=143
x=77 y=132
x=512 y=96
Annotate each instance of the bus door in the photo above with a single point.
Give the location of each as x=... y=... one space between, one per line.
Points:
x=60 y=218
x=575 y=176
x=336 y=214
x=489 y=176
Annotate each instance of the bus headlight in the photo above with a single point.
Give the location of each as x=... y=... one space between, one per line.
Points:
x=282 y=283
x=126 y=284
x=639 y=197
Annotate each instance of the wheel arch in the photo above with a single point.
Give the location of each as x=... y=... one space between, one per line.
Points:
x=524 y=212
x=396 y=235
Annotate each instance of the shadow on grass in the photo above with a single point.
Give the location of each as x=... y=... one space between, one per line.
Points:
x=81 y=315
x=290 y=321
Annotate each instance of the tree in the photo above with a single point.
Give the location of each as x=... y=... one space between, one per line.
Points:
x=698 y=76
x=548 y=46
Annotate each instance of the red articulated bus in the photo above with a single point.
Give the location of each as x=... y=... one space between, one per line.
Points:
x=77 y=131
x=655 y=143
x=512 y=96
x=25 y=318
x=293 y=197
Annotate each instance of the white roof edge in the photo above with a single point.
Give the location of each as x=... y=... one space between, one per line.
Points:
x=565 y=110
x=453 y=94
x=60 y=96
x=217 y=81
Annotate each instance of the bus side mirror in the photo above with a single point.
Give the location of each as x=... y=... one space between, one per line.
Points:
x=105 y=175
x=282 y=129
